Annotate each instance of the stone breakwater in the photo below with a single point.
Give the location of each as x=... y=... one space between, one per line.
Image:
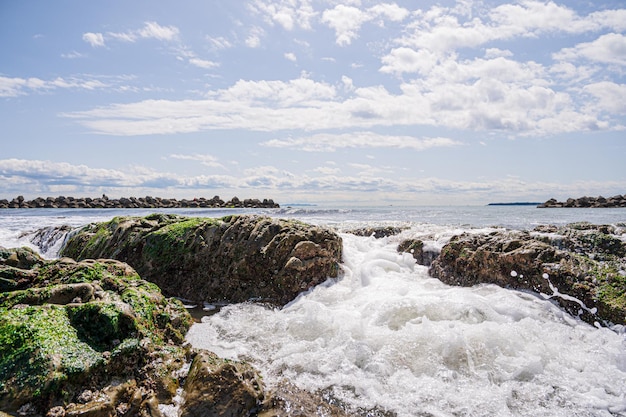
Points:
x=587 y=202
x=133 y=202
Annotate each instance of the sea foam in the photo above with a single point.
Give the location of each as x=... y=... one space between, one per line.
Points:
x=387 y=336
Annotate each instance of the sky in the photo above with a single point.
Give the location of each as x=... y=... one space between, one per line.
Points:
x=314 y=101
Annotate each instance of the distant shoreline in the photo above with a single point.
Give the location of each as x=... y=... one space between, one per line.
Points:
x=519 y=203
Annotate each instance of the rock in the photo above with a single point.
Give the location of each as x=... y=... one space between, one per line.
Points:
x=217 y=387
x=75 y=332
x=586 y=202
x=583 y=261
x=227 y=260
x=133 y=202
x=423 y=256
x=377 y=232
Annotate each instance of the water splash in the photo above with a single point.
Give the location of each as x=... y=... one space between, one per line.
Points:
x=387 y=335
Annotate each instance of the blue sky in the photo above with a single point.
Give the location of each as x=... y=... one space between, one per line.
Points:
x=318 y=101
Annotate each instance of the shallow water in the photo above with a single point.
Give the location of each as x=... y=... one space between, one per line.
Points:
x=387 y=336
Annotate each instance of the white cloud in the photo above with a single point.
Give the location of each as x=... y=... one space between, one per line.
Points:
x=155 y=31
x=218 y=43
x=202 y=63
x=36 y=177
x=13 y=87
x=287 y=13
x=609 y=49
x=150 y=30
x=497 y=53
x=346 y=21
x=254 y=37
x=72 y=55
x=610 y=96
x=290 y=56
x=94 y=39
x=206 y=160
x=498 y=95
x=329 y=142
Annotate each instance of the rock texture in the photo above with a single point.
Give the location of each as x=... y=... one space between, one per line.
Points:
x=422 y=255
x=91 y=338
x=133 y=202
x=583 y=261
x=227 y=260
x=584 y=202
x=85 y=338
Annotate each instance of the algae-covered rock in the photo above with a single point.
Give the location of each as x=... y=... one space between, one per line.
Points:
x=74 y=326
x=580 y=266
x=218 y=387
x=232 y=259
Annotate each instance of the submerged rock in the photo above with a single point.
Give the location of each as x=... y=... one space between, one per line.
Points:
x=581 y=266
x=227 y=260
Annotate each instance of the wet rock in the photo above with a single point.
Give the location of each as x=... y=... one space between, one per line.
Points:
x=217 y=387
x=423 y=256
x=77 y=330
x=580 y=267
x=133 y=202
x=377 y=232
x=232 y=259
x=587 y=202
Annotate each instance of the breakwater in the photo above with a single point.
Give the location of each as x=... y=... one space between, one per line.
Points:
x=133 y=202
x=587 y=202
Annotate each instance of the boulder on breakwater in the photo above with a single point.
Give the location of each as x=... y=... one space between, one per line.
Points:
x=227 y=260
x=133 y=202
x=587 y=202
x=92 y=338
x=581 y=266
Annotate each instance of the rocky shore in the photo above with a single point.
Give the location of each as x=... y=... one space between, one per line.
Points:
x=587 y=202
x=133 y=202
x=228 y=260
x=92 y=338
x=95 y=333
x=581 y=267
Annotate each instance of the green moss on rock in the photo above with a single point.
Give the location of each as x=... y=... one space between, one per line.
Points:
x=85 y=324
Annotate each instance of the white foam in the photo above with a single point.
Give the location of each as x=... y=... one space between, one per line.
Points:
x=387 y=335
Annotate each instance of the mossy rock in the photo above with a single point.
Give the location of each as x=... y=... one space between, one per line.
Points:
x=85 y=324
x=582 y=261
x=227 y=260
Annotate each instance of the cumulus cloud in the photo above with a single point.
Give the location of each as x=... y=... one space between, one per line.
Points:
x=609 y=49
x=609 y=95
x=514 y=98
x=331 y=142
x=289 y=14
x=94 y=39
x=290 y=56
x=346 y=21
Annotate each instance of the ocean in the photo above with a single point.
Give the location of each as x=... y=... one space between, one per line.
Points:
x=385 y=339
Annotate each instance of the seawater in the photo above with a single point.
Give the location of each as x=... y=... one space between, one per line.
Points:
x=386 y=337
